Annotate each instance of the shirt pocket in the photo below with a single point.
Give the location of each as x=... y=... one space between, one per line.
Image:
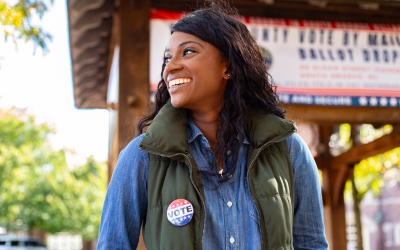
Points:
x=251 y=207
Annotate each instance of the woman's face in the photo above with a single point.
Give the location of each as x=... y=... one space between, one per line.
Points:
x=195 y=73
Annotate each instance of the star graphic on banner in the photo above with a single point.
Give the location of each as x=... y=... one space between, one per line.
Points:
x=363 y=101
x=393 y=102
x=373 y=101
x=383 y=101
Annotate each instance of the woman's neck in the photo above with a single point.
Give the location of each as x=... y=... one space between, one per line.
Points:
x=208 y=123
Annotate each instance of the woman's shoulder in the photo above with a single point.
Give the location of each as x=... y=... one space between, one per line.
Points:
x=133 y=146
x=300 y=155
x=132 y=159
x=296 y=143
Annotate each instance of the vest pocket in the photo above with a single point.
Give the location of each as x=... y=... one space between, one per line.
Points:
x=278 y=218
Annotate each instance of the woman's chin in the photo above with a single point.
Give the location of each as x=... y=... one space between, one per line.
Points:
x=177 y=102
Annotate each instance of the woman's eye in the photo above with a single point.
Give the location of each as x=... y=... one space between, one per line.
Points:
x=167 y=59
x=188 y=52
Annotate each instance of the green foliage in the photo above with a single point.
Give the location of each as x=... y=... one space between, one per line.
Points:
x=370 y=173
x=15 y=21
x=37 y=188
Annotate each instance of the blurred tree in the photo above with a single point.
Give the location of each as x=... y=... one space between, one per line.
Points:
x=38 y=191
x=370 y=173
x=16 y=21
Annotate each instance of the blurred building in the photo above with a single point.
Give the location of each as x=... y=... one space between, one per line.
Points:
x=380 y=217
x=340 y=66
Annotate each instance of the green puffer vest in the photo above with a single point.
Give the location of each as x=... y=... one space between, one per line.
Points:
x=173 y=174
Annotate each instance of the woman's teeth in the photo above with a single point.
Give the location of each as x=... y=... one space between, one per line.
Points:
x=178 y=82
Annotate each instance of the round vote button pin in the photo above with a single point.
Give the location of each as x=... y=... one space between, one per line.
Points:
x=180 y=212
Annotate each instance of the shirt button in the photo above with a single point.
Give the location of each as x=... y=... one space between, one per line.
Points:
x=230 y=205
x=232 y=240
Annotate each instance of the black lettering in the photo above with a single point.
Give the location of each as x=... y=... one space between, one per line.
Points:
x=301 y=33
x=355 y=39
x=398 y=40
x=312 y=54
x=366 y=55
x=331 y=55
x=345 y=38
x=385 y=56
x=372 y=39
x=321 y=54
x=321 y=40
x=285 y=33
x=384 y=41
x=376 y=55
x=189 y=209
x=176 y=212
x=330 y=37
x=275 y=34
x=350 y=54
x=312 y=36
x=392 y=40
x=183 y=210
x=265 y=34
x=302 y=54
x=341 y=54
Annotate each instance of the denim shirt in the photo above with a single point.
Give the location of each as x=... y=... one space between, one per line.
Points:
x=232 y=218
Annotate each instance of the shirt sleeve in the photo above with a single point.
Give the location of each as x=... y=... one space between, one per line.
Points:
x=308 y=224
x=125 y=204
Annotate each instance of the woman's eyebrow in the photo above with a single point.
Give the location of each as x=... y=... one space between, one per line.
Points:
x=180 y=45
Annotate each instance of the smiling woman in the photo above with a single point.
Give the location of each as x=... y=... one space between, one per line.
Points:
x=218 y=150
x=199 y=70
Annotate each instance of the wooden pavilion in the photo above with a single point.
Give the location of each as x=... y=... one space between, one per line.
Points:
x=99 y=28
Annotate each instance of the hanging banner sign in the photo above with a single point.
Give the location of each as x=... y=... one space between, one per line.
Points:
x=313 y=62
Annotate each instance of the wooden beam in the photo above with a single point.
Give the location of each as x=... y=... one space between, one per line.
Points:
x=134 y=44
x=340 y=11
x=363 y=151
x=333 y=179
x=134 y=89
x=341 y=176
x=337 y=115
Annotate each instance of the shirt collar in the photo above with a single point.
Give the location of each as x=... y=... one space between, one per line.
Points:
x=194 y=132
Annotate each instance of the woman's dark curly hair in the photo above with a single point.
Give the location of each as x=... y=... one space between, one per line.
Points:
x=250 y=84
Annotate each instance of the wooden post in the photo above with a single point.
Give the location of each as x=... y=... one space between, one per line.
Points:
x=334 y=179
x=134 y=42
x=134 y=80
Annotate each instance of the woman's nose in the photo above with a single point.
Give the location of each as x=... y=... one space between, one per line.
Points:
x=172 y=65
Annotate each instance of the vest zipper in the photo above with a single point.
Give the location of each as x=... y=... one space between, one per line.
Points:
x=195 y=187
x=252 y=197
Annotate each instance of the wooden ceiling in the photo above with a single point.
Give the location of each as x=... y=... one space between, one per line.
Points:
x=328 y=10
x=91 y=22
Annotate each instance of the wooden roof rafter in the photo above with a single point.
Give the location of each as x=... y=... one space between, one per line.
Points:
x=90 y=25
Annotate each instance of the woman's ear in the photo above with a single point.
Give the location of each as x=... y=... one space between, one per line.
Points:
x=227 y=74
